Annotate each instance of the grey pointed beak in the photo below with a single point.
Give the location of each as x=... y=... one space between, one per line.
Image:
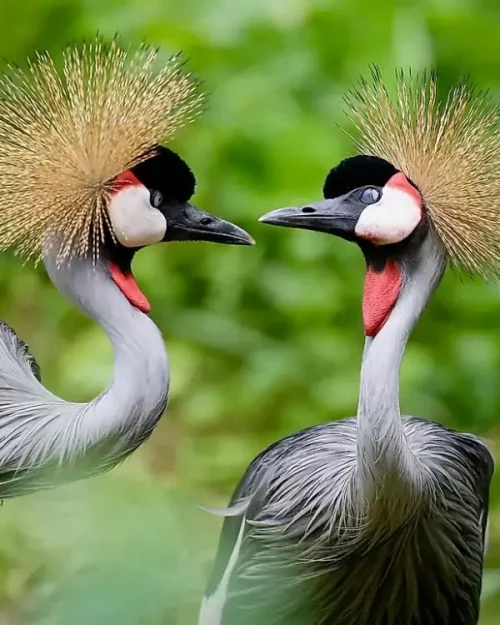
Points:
x=185 y=222
x=337 y=216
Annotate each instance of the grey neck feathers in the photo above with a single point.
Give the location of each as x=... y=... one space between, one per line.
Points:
x=119 y=419
x=386 y=463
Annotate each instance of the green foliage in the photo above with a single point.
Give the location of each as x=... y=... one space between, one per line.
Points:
x=262 y=341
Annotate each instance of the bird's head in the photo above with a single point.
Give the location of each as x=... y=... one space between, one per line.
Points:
x=429 y=193
x=368 y=201
x=150 y=203
x=101 y=187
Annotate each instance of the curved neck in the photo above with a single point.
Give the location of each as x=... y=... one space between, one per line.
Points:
x=385 y=460
x=126 y=412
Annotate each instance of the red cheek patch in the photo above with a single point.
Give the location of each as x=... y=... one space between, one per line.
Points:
x=380 y=296
x=124 y=180
x=129 y=287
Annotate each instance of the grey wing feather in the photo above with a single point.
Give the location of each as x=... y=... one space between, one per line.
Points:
x=19 y=349
x=25 y=422
x=246 y=502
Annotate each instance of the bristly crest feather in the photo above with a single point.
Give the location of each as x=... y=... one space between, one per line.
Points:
x=66 y=134
x=449 y=149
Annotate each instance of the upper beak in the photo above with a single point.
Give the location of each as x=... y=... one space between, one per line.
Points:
x=336 y=216
x=185 y=222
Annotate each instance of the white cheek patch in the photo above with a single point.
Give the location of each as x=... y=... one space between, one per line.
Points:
x=135 y=222
x=394 y=217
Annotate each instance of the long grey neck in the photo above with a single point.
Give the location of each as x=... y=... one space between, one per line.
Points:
x=127 y=411
x=386 y=463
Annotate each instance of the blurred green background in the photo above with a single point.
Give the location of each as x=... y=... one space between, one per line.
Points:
x=262 y=341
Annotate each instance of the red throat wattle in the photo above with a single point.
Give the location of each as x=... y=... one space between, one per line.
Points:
x=381 y=292
x=129 y=287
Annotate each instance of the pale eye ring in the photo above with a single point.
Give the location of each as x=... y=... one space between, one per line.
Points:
x=156 y=199
x=370 y=195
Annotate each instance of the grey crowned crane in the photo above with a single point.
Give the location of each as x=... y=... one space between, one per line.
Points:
x=378 y=519
x=85 y=184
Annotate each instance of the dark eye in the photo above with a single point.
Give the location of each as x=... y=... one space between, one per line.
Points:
x=370 y=195
x=156 y=198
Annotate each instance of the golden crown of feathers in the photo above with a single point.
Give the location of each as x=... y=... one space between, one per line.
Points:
x=450 y=149
x=66 y=133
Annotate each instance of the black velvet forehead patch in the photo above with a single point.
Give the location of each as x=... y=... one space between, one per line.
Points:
x=168 y=173
x=357 y=171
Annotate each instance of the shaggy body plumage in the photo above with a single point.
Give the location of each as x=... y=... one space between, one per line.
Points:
x=305 y=559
